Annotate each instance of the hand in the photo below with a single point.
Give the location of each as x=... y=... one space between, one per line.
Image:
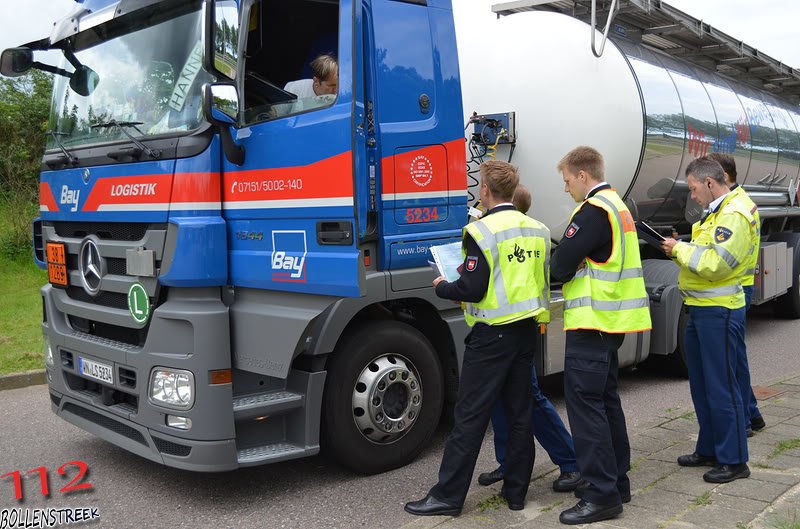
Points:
x=438 y=280
x=667 y=246
x=582 y=265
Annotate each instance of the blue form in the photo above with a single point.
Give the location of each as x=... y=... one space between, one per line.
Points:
x=548 y=428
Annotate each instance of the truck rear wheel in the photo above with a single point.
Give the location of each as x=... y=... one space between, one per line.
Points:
x=383 y=397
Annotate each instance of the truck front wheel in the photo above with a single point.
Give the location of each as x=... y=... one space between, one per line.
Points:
x=383 y=397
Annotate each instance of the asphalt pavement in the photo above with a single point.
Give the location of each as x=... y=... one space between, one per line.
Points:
x=129 y=491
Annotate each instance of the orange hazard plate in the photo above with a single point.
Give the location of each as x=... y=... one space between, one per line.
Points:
x=57 y=263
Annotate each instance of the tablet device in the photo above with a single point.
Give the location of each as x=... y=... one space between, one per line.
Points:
x=650 y=236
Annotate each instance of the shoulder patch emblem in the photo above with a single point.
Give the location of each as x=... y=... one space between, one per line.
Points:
x=472 y=263
x=722 y=234
x=572 y=229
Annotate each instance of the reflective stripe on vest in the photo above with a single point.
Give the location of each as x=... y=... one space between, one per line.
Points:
x=625 y=304
x=491 y=241
x=694 y=261
x=727 y=290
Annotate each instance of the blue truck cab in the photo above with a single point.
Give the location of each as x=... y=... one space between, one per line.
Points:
x=238 y=275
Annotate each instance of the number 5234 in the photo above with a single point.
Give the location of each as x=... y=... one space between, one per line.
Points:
x=415 y=215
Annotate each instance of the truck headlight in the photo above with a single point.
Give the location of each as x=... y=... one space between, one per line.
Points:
x=173 y=388
x=49 y=361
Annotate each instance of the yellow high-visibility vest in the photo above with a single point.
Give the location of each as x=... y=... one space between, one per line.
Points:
x=712 y=265
x=610 y=296
x=739 y=194
x=517 y=249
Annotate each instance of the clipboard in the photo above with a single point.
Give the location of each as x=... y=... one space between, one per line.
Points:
x=650 y=236
x=447 y=260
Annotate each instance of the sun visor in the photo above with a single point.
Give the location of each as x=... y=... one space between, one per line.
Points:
x=91 y=13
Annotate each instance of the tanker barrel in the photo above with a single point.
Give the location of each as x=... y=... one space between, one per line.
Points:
x=649 y=113
x=769 y=198
x=775 y=212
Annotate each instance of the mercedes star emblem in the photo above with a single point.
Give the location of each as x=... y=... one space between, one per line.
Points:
x=91 y=267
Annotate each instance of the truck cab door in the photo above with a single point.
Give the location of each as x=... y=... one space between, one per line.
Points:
x=289 y=207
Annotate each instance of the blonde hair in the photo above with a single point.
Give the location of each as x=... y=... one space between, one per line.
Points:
x=324 y=66
x=502 y=178
x=522 y=198
x=586 y=159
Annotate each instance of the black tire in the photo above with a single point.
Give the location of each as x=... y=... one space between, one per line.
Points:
x=788 y=305
x=369 y=438
x=677 y=359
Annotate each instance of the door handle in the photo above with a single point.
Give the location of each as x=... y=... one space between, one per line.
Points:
x=338 y=232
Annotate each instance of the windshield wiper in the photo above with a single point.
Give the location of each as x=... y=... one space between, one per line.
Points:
x=72 y=160
x=122 y=125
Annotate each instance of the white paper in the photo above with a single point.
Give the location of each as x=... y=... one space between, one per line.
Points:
x=448 y=258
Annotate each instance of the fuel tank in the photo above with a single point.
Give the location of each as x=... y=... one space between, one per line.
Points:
x=648 y=113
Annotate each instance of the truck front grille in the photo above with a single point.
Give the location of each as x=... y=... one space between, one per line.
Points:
x=105 y=422
x=117 y=231
x=114 y=300
x=170 y=448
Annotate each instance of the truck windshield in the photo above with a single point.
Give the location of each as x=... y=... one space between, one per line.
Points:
x=150 y=69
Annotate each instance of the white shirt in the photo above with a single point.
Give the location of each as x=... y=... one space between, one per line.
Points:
x=595 y=187
x=302 y=88
x=716 y=202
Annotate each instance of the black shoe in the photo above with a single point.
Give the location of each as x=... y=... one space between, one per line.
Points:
x=513 y=505
x=696 y=460
x=430 y=506
x=583 y=485
x=757 y=423
x=567 y=482
x=727 y=473
x=487 y=478
x=586 y=512
x=750 y=432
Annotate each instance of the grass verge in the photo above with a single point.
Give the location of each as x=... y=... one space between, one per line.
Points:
x=20 y=315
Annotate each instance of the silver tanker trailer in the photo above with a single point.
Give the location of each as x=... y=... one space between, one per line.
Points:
x=665 y=89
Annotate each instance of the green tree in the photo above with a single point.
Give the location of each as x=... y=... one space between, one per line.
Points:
x=24 y=109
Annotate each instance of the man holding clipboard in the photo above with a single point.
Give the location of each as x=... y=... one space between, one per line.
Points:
x=711 y=268
x=504 y=284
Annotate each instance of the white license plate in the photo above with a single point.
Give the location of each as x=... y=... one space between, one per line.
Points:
x=96 y=370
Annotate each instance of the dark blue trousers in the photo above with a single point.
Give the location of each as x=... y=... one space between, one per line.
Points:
x=713 y=344
x=595 y=414
x=743 y=368
x=497 y=365
x=548 y=428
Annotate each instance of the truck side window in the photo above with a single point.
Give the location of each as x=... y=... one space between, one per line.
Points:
x=283 y=40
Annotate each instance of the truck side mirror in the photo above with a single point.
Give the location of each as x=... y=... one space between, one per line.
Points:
x=16 y=61
x=221 y=104
x=221 y=108
x=222 y=46
x=84 y=80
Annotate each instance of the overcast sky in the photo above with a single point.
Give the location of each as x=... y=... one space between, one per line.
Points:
x=768 y=25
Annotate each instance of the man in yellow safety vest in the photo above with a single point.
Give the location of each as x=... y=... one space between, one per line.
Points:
x=753 y=416
x=711 y=268
x=504 y=284
x=604 y=298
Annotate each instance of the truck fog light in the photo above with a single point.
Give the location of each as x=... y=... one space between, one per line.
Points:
x=173 y=388
x=184 y=423
x=49 y=361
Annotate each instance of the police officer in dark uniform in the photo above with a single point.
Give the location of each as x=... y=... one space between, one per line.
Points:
x=505 y=287
x=604 y=298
